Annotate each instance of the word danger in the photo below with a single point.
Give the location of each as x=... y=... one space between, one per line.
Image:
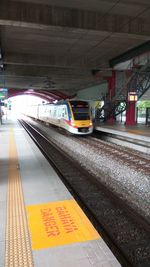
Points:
x=54 y=223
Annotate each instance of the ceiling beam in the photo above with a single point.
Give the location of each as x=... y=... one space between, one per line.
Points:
x=42 y=71
x=39 y=16
x=136 y=51
x=42 y=61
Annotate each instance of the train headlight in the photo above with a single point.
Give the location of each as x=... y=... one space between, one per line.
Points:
x=91 y=123
x=72 y=123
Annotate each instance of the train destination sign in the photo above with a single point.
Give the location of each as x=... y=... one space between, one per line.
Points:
x=3 y=93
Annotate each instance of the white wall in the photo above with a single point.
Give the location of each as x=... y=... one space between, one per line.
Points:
x=93 y=93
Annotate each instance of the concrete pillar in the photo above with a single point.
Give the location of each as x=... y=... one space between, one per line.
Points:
x=131 y=113
x=111 y=93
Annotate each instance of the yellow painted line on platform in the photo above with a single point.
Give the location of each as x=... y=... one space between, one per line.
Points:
x=18 y=250
x=138 y=132
x=59 y=223
x=135 y=132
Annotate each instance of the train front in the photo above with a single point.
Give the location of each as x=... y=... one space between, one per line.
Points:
x=80 y=118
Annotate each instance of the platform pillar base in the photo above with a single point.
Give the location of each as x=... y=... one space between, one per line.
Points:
x=130 y=114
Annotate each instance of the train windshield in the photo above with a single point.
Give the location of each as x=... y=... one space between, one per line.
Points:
x=80 y=110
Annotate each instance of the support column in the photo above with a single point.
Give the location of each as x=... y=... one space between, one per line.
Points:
x=111 y=93
x=131 y=113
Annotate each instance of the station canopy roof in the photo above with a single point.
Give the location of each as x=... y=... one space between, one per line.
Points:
x=54 y=47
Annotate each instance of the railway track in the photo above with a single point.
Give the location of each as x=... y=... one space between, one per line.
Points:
x=122 y=228
x=135 y=160
x=138 y=144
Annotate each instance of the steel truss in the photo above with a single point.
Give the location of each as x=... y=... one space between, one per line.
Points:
x=138 y=82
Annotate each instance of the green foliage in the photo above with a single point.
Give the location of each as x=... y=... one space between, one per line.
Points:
x=143 y=104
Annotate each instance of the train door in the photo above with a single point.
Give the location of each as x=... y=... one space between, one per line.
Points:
x=64 y=113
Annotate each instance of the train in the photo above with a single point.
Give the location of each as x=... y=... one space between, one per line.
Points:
x=72 y=115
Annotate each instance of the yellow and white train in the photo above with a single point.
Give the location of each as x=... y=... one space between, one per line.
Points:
x=72 y=115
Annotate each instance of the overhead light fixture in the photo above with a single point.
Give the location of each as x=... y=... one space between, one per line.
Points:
x=132 y=96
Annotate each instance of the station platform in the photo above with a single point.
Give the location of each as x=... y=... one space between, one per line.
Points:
x=41 y=225
x=137 y=136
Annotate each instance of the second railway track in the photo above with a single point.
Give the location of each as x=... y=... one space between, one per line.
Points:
x=134 y=160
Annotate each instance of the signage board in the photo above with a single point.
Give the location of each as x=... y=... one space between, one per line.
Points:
x=132 y=96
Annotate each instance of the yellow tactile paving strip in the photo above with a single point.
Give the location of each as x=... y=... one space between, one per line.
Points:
x=136 y=132
x=18 y=248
